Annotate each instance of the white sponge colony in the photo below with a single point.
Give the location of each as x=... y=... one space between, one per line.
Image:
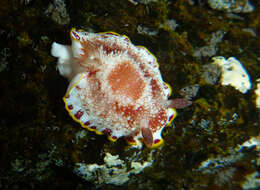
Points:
x=257 y=92
x=233 y=73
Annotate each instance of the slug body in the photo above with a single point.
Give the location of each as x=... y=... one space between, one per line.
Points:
x=115 y=87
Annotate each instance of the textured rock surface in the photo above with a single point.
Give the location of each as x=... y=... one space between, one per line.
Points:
x=41 y=146
x=236 y=6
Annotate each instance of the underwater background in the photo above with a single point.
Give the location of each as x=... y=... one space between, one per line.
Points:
x=212 y=144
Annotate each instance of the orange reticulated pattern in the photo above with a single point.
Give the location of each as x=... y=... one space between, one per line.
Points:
x=125 y=80
x=155 y=88
x=159 y=120
x=96 y=43
x=129 y=112
x=109 y=49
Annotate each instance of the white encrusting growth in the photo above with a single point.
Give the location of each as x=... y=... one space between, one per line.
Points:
x=114 y=170
x=257 y=92
x=233 y=73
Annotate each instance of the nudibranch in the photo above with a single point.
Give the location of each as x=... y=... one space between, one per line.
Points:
x=115 y=87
